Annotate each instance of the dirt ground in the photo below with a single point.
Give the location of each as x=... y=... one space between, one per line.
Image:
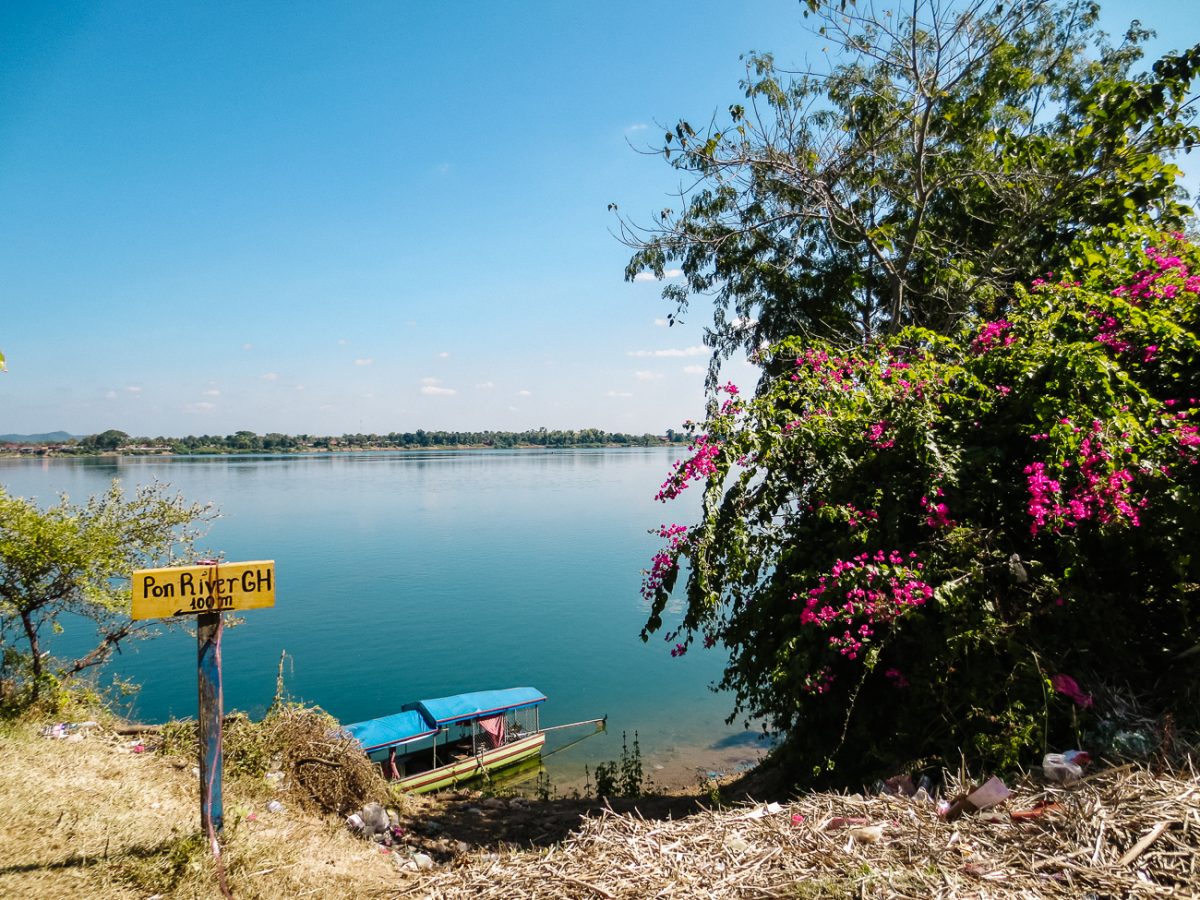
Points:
x=461 y=821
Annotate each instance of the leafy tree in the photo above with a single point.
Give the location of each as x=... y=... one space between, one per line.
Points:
x=71 y=561
x=107 y=440
x=947 y=154
x=943 y=542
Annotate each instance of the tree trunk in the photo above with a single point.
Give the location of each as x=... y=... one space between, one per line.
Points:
x=35 y=665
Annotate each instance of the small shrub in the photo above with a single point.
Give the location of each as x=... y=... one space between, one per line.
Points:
x=622 y=778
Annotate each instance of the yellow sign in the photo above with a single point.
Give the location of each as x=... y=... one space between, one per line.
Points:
x=189 y=590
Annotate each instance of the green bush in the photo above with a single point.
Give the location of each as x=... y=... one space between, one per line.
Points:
x=940 y=544
x=624 y=778
x=70 y=564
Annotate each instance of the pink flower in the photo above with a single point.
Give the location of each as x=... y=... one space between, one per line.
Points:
x=993 y=335
x=876 y=433
x=702 y=465
x=1069 y=688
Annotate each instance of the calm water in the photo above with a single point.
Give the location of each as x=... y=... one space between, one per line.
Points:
x=411 y=575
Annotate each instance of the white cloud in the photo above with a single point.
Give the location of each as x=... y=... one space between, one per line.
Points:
x=618 y=394
x=661 y=323
x=647 y=376
x=741 y=323
x=637 y=126
x=269 y=376
x=445 y=354
x=671 y=352
x=342 y=342
x=485 y=385
x=443 y=168
x=110 y=395
x=247 y=346
x=694 y=370
x=211 y=392
x=524 y=393
x=133 y=389
x=365 y=361
x=650 y=276
x=430 y=388
x=202 y=407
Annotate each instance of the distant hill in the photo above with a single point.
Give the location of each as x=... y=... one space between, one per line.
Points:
x=54 y=437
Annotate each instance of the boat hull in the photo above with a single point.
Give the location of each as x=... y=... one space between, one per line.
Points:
x=465 y=769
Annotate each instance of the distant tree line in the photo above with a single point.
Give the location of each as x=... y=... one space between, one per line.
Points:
x=274 y=442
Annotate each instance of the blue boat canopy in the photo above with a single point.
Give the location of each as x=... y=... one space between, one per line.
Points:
x=464 y=707
x=391 y=731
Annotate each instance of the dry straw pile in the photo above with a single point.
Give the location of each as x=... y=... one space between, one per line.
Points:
x=327 y=768
x=1123 y=832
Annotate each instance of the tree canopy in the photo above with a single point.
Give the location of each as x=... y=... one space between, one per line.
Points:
x=73 y=562
x=112 y=439
x=947 y=154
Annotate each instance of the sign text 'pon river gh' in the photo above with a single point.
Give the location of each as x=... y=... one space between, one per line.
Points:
x=188 y=590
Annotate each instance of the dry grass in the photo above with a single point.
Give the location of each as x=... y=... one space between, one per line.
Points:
x=91 y=819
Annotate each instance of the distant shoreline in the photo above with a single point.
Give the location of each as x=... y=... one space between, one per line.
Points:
x=119 y=443
x=43 y=452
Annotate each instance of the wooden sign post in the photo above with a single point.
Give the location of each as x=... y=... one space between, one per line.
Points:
x=206 y=590
x=209 y=716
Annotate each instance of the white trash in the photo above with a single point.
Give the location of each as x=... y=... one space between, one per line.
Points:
x=1056 y=768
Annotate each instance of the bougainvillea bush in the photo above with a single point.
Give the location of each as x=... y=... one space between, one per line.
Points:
x=944 y=544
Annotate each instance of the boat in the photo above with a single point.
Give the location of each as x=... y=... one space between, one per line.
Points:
x=439 y=743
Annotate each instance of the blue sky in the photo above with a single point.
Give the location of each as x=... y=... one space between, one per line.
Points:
x=342 y=217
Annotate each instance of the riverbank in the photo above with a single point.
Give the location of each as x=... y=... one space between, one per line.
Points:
x=92 y=817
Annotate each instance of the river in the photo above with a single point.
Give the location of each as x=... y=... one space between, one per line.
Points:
x=421 y=574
